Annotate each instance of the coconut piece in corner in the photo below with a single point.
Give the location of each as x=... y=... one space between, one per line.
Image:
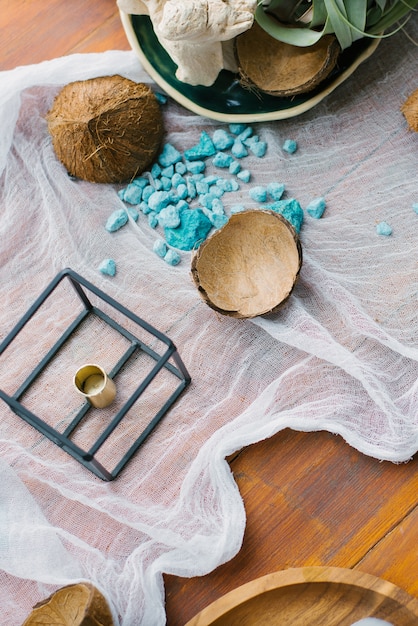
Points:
x=74 y=605
x=107 y=129
x=281 y=69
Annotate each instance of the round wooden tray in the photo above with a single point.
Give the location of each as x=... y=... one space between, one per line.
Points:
x=311 y=596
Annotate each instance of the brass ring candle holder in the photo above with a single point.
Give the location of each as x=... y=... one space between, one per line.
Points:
x=168 y=361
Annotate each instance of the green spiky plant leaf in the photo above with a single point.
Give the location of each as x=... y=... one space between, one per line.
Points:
x=349 y=20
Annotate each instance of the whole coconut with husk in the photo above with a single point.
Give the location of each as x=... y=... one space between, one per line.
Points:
x=107 y=129
x=282 y=69
x=249 y=266
x=75 y=605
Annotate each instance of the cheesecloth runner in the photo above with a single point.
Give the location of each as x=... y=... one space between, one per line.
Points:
x=342 y=355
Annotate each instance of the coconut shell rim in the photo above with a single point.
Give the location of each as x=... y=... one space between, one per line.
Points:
x=234 y=313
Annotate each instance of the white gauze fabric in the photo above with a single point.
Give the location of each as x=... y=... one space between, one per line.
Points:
x=341 y=355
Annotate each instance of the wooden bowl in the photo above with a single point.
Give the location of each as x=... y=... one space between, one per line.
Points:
x=311 y=596
x=249 y=266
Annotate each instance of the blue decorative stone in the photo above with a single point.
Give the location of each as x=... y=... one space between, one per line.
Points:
x=193 y=230
x=131 y=194
x=291 y=211
x=147 y=192
x=159 y=199
x=258 y=193
x=155 y=170
x=290 y=146
x=235 y=167
x=415 y=207
x=133 y=213
x=116 y=220
x=108 y=267
x=152 y=220
x=205 y=148
x=237 y=208
x=383 y=228
x=258 y=148
x=169 y=155
x=195 y=167
x=275 y=190
x=222 y=140
x=221 y=159
x=166 y=183
x=218 y=207
x=218 y=220
x=316 y=208
x=172 y=257
x=160 y=97
x=239 y=150
x=160 y=248
x=169 y=217
x=178 y=179
x=168 y=171
x=180 y=167
x=244 y=175
x=237 y=129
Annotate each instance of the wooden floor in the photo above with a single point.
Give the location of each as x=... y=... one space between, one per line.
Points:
x=310 y=498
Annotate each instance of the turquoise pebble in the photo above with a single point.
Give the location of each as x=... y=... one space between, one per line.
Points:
x=235 y=167
x=205 y=148
x=147 y=192
x=141 y=181
x=258 y=193
x=195 y=167
x=158 y=200
x=237 y=129
x=275 y=190
x=180 y=167
x=160 y=248
x=244 y=175
x=239 y=150
x=258 y=148
x=383 y=228
x=144 y=208
x=160 y=97
x=116 y=220
x=222 y=140
x=169 y=217
x=290 y=146
x=108 y=267
x=152 y=220
x=415 y=207
x=218 y=220
x=169 y=155
x=168 y=171
x=172 y=257
x=177 y=179
x=193 y=229
x=202 y=187
x=218 y=207
x=132 y=194
x=211 y=180
x=221 y=159
x=291 y=210
x=245 y=134
x=165 y=183
x=316 y=208
x=155 y=170
x=191 y=188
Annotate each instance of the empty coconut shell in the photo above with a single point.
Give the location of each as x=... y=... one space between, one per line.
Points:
x=249 y=266
x=281 y=69
x=107 y=129
x=76 y=605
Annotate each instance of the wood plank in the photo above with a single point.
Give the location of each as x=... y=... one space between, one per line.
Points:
x=36 y=31
x=310 y=500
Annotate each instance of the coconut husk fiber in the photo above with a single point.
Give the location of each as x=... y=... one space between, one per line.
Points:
x=249 y=266
x=107 y=129
x=75 y=605
x=410 y=110
x=281 y=69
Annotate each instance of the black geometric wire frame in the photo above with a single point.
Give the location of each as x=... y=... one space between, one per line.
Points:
x=87 y=457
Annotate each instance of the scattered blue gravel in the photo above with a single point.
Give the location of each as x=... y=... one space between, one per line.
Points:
x=275 y=190
x=169 y=155
x=222 y=140
x=116 y=220
x=290 y=146
x=205 y=148
x=316 y=208
x=108 y=267
x=291 y=211
x=193 y=229
x=383 y=228
x=258 y=193
x=160 y=247
x=172 y=257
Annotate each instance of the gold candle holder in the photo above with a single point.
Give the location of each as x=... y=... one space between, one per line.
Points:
x=92 y=382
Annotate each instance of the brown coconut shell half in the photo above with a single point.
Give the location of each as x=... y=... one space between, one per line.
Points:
x=75 y=605
x=410 y=110
x=107 y=129
x=281 y=69
x=249 y=266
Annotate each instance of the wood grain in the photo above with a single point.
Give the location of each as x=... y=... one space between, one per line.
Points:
x=309 y=596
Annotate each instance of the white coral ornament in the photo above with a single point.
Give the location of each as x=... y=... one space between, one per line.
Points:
x=196 y=33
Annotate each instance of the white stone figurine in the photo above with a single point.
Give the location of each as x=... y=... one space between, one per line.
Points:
x=197 y=34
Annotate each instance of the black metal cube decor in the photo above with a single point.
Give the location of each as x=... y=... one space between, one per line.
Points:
x=87 y=325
